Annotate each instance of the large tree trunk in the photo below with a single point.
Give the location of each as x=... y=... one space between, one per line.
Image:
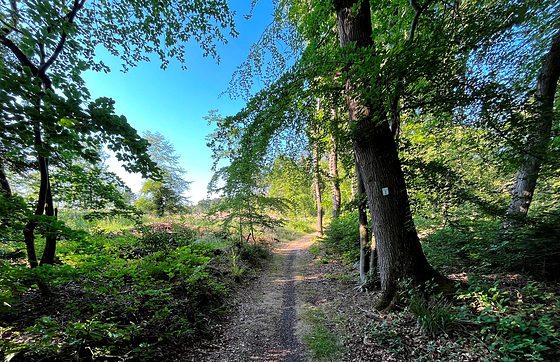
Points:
x=363 y=225
x=333 y=174
x=539 y=135
x=399 y=250
x=317 y=181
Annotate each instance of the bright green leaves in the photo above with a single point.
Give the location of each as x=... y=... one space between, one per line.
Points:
x=68 y=123
x=158 y=27
x=292 y=181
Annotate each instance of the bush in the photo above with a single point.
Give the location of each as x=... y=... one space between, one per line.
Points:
x=532 y=248
x=254 y=254
x=465 y=247
x=162 y=236
x=342 y=237
x=114 y=298
x=482 y=246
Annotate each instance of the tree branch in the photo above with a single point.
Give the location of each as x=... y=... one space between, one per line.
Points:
x=418 y=10
x=23 y=59
x=78 y=4
x=15 y=18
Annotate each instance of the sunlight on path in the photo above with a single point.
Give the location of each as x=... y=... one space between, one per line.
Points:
x=264 y=325
x=302 y=243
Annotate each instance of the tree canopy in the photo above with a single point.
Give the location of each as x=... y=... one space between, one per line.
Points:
x=48 y=117
x=424 y=64
x=166 y=193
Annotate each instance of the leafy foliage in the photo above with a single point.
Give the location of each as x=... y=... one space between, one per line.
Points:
x=506 y=320
x=245 y=203
x=342 y=237
x=516 y=327
x=482 y=246
x=292 y=181
x=131 y=294
x=434 y=314
x=46 y=110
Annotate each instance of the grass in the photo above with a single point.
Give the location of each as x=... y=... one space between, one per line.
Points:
x=322 y=344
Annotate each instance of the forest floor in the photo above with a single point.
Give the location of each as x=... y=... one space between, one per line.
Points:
x=302 y=305
x=303 y=309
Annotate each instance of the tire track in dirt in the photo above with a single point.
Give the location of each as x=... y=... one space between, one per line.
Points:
x=263 y=325
x=286 y=328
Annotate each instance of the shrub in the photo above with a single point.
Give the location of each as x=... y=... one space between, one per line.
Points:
x=254 y=254
x=523 y=326
x=482 y=246
x=342 y=237
x=532 y=247
x=162 y=236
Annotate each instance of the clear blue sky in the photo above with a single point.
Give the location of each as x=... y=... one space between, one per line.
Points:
x=173 y=102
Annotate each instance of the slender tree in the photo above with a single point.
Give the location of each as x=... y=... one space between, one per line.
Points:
x=241 y=184
x=333 y=175
x=540 y=120
x=317 y=184
x=363 y=226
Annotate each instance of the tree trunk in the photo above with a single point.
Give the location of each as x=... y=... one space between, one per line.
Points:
x=335 y=182
x=399 y=250
x=44 y=206
x=5 y=188
x=317 y=190
x=541 y=120
x=50 y=240
x=373 y=265
x=363 y=224
x=44 y=187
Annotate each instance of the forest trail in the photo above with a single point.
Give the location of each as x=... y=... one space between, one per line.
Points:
x=296 y=297
x=264 y=324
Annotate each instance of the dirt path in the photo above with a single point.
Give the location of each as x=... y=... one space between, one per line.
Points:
x=297 y=298
x=263 y=325
x=302 y=308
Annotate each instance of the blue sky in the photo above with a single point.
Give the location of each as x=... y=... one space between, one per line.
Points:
x=173 y=102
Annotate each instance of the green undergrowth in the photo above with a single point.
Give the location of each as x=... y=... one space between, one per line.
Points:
x=132 y=295
x=483 y=246
x=342 y=237
x=507 y=311
x=490 y=320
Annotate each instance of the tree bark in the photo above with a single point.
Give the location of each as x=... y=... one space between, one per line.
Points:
x=399 y=250
x=317 y=190
x=538 y=137
x=44 y=206
x=363 y=224
x=333 y=174
x=50 y=239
